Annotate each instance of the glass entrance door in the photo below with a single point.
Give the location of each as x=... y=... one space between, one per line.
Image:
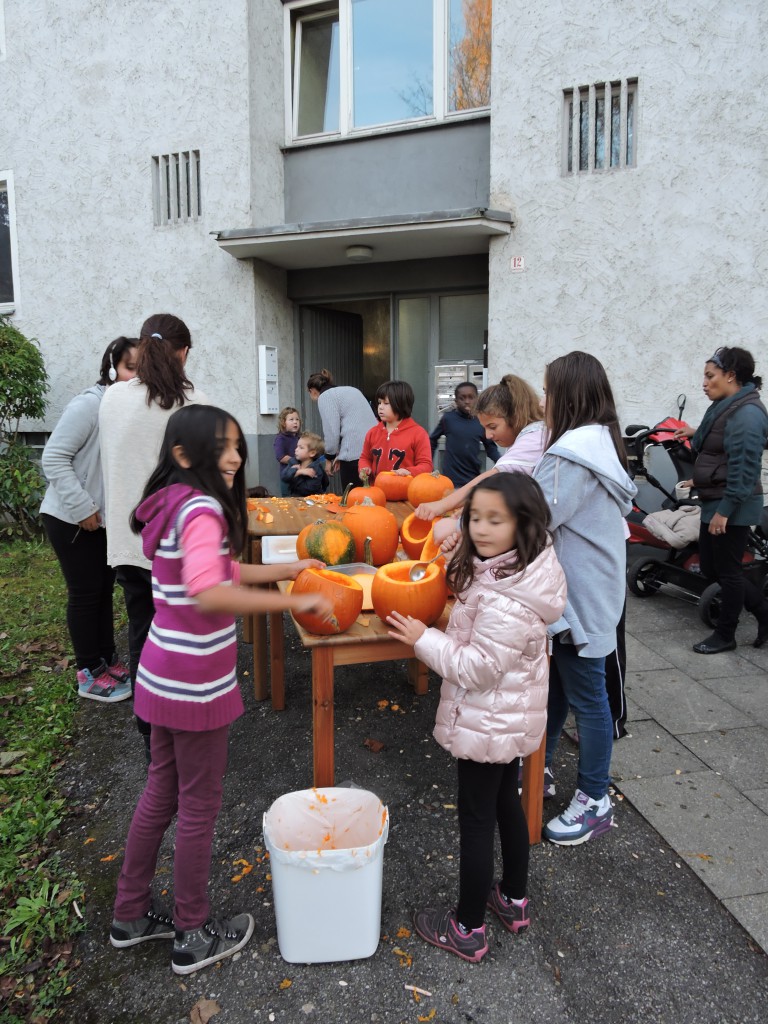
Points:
x=436 y=328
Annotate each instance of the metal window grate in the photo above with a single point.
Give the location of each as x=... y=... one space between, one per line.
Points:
x=599 y=127
x=176 y=187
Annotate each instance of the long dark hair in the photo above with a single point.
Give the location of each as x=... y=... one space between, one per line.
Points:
x=320 y=381
x=113 y=353
x=200 y=430
x=528 y=507
x=578 y=393
x=159 y=365
x=739 y=362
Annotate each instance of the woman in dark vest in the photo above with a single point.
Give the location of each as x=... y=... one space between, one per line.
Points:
x=729 y=448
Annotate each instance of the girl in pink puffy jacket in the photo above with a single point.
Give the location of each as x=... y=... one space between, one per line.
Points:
x=493 y=701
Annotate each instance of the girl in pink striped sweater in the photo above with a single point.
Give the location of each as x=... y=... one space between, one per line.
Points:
x=192 y=520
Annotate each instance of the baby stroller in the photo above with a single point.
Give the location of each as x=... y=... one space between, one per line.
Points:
x=657 y=462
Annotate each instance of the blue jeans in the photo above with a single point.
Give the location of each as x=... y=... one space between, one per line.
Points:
x=579 y=683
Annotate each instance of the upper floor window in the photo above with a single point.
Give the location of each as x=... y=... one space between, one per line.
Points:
x=8 y=282
x=599 y=130
x=361 y=64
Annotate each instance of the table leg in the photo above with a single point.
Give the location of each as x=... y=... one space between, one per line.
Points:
x=418 y=676
x=277 y=660
x=253 y=555
x=322 y=716
x=260 y=657
x=533 y=791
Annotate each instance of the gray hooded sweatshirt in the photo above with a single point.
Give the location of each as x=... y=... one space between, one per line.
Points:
x=589 y=493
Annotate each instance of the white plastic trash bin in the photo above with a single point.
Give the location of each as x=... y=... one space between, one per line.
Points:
x=326 y=850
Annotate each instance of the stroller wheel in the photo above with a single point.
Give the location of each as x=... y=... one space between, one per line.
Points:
x=709 y=605
x=643 y=577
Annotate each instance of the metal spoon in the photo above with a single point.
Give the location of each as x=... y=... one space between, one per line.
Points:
x=419 y=570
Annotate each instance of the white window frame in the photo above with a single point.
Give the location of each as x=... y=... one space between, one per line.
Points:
x=440 y=64
x=6 y=182
x=571 y=126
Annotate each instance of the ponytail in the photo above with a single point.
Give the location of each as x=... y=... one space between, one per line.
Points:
x=159 y=365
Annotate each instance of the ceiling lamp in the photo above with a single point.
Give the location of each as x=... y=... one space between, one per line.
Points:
x=359 y=253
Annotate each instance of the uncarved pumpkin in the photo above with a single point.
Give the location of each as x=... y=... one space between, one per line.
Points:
x=357 y=495
x=393 y=590
x=378 y=525
x=394 y=486
x=413 y=534
x=344 y=593
x=428 y=487
x=331 y=542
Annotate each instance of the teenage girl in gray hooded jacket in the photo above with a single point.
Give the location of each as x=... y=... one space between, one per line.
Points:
x=584 y=479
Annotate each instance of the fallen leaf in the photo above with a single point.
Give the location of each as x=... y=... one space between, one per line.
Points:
x=375 y=746
x=285 y=983
x=403 y=933
x=428 y=1016
x=203 y=1010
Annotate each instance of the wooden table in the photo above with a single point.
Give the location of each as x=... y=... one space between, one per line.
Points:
x=290 y=516
x=365 y=642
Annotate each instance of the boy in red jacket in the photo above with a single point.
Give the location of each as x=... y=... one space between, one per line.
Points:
x=397 y=443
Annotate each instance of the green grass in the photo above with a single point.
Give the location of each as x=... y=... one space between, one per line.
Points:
x=37 y=707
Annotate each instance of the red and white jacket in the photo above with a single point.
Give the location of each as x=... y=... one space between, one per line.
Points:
x=406 y=447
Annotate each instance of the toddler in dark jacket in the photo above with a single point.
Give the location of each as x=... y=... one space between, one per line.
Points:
x=305 y=473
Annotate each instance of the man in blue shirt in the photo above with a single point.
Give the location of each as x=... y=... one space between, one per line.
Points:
x=463 y=437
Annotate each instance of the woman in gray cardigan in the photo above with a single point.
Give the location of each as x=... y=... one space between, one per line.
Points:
x=72 y=515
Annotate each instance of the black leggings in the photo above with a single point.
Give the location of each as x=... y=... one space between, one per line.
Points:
x=82 y=555
x=137 y=591
x=721 y=557
x=488 y=797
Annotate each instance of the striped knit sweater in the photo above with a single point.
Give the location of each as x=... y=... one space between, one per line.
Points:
x=187 y=676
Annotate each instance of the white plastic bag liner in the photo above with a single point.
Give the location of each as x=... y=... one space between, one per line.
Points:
x=326 y=849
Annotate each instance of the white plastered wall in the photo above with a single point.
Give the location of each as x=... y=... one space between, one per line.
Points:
x=94 y=90
x=649 y=268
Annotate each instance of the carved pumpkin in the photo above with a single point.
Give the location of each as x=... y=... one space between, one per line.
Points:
x=431 y=549
x=392 y=590
x=428 y=487
x=331 y=542
x=344 y=592
x=394 y=486
x=377 y=526
x=413 y=534
x=357 y=495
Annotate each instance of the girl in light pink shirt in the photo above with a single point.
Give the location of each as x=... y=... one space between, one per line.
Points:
x=510 y=415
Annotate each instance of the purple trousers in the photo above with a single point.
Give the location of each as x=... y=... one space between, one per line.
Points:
x=186 y=776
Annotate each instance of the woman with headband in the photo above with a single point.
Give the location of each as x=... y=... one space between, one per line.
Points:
x=132 y=422
x=726 y=475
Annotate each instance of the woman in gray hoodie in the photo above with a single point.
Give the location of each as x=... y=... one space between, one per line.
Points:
x=584 y=479
x=73 y=517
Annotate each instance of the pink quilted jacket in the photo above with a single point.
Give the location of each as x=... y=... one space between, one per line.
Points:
x=492 y=657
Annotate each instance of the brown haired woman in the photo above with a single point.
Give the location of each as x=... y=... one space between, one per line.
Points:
x=346 y=417
x=132 y=420
x=510 y=415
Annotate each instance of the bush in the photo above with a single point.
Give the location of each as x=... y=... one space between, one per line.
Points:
x=23 y=386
